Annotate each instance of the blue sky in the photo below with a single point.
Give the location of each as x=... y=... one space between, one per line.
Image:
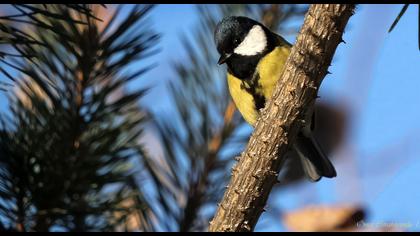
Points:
x=376 y=75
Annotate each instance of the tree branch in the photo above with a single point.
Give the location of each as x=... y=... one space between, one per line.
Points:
x=256 y=172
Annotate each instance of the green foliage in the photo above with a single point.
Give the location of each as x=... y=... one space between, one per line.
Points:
x=66 y=150
x=13 y=37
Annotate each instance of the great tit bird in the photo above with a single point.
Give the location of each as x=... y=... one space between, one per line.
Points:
x=255 y=57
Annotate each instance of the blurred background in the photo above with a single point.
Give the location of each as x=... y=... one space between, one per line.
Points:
x=117 y=118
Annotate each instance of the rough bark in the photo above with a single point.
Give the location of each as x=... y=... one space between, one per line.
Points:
x=256 y=172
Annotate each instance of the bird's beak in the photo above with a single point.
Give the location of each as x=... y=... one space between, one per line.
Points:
x=223 y=58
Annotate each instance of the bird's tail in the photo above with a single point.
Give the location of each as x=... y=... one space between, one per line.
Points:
x=315 y=163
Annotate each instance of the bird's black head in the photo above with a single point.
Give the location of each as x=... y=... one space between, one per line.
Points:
x=241 y=36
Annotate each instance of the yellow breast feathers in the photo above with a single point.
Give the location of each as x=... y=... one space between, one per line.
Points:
x=269 y=68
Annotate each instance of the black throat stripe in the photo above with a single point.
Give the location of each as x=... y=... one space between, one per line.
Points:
x=250 y=86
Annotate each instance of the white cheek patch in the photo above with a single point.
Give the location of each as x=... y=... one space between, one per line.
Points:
x=254 y=42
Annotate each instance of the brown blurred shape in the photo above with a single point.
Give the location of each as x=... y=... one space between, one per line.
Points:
x=331 y=123
x=327 y=218
x=323 y=218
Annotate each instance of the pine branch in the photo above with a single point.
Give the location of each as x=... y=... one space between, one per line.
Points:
x=35 y=15
x=256 y=172
x=74 y=130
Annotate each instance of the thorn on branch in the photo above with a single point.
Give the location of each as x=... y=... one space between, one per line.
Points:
x=247 y=226
x=303 y=121
x=273 y=173
x=311 y=85
x=301 y=52
x=221 y=206
x=243 y=209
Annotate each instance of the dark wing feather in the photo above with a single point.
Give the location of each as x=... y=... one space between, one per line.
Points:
x=315 y=163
